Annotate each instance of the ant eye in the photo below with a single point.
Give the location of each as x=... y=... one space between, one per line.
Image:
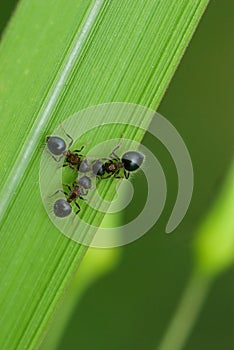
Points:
x=98 y=169
x=62 y=208
x=132 y=160
x=85 y=182
x=56 y=145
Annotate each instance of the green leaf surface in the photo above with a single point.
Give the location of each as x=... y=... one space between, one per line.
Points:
x=56 y=59
x=96 y=262
x=214 y=244
x=214 y=252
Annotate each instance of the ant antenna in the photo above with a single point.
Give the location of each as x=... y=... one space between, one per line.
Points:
x=69 y=136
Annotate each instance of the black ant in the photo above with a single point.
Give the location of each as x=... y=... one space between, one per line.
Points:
x=62 y=207
x=129 y=162
x=57 y=147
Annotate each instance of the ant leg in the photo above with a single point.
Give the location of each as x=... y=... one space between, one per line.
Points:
x=66 y=194
x=75 y=183
x=64 y=165
x=69 y=136
x=79 y=150
x=68 y=164
x=47 y=151
x=126 y=174
x=117 y=176
x=77 y=207
x=68 y=186
x=57 y=160
x=106 y=177
x=115 y=149
x=113 y=155
x=71 y=142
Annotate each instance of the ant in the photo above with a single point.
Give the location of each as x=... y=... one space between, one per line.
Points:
x=57 y=147
x=129 y=162
x=62 y=207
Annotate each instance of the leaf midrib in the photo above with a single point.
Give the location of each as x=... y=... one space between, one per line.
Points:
x=25 y=155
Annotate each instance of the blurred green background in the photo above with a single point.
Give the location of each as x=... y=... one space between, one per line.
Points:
x=130 y=308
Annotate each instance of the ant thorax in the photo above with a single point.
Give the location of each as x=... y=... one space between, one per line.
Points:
x=72 y=158
x=113 y=166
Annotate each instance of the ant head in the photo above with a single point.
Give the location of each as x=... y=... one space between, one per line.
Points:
x=56 y=145
x=98 y=168
x=132 y=160
x=85 y=182
x=84 y=166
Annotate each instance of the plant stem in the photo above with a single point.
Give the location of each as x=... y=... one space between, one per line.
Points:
x=187 y=313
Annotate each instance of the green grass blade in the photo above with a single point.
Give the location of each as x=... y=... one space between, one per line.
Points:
x=96 y=262
x=214 y=252
x=50 y=101
x=55 y=60
x=214 y=244
x=186 y=314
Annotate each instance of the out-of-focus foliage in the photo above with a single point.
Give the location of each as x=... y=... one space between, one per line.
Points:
x=215 y=240
x=131 y=307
